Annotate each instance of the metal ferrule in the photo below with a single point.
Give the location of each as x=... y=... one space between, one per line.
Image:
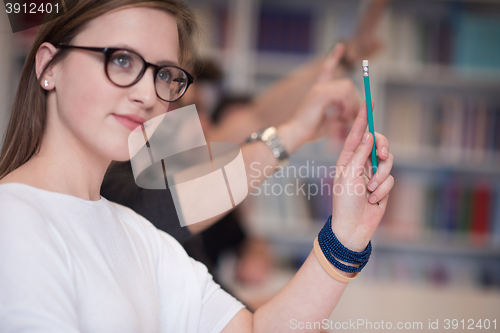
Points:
x=365 y=70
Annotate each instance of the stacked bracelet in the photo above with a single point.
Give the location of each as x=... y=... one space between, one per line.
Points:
x=328 y=267
x=333 y=251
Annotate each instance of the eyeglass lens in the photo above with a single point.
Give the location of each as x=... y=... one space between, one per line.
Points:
x=125 y=67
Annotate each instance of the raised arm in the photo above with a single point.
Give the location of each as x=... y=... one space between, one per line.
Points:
x=312 y=294
x=279 y=102
x=309 y=122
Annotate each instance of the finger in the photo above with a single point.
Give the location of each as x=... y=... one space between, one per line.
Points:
x=341 y=98
x=383 y=171
x=354 y=138
x=362 y=152
x=382 y=151
x=382 y=145
x=372 y=16
x=382 y=191
x=331 y=63
x=383 y=203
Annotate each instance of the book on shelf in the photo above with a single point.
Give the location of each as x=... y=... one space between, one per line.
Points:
x=405 y=211
x=481 y=202
x=477 y=37
x=465 y=209
x=452 y=124
x=495 y=213
x=403 y=48
x=285 y=30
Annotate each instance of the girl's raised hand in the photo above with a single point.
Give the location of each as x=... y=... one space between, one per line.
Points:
x=360 y=201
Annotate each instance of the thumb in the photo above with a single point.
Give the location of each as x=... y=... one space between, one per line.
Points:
x=331 y=63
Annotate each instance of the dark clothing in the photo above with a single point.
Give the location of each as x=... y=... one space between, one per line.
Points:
x=155 y=205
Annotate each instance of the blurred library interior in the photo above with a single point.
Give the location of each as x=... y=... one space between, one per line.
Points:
x=435 y=85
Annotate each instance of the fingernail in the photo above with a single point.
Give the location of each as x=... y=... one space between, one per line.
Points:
x=373 y=199
x=365 y=137
x=384 y=151
x=373 y=186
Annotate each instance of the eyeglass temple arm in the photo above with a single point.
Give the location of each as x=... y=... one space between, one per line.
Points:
x=96 y=49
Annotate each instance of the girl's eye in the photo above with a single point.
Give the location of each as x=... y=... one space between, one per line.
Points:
x=122 y=60
x=165 y=75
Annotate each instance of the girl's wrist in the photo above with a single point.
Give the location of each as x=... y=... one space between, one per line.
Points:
x=355 y=239
x=291 y=135
x=340 y=262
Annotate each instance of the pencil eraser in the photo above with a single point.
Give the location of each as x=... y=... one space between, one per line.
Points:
x=365 y=63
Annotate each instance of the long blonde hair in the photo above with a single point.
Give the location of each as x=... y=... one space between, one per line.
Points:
x=28 y=118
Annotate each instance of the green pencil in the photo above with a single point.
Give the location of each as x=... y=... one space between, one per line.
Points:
x=369 y=110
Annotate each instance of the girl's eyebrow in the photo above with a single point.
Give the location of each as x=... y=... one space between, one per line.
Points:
x=161 y=63
x=168 y=63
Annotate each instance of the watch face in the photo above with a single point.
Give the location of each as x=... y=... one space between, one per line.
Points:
x=268 y=134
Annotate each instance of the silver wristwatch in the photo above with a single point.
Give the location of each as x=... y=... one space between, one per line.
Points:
x=270 y=137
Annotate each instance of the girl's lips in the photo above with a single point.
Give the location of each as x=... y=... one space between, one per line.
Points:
x=131 y=121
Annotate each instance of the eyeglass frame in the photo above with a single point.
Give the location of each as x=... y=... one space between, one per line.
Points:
x=108 y=51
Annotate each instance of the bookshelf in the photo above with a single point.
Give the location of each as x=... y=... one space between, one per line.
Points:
x=441 y=96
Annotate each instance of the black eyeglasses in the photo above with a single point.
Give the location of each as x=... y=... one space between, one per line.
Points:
x=125 y=68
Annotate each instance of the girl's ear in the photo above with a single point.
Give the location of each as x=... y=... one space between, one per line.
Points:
x=44 y=55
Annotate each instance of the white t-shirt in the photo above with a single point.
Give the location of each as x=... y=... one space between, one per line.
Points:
x=72 y=265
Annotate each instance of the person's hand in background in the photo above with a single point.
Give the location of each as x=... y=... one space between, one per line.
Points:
x=365 y=44
x=338 y=116
x=327 y=105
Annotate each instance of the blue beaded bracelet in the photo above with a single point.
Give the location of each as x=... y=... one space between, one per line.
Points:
x=335 y=251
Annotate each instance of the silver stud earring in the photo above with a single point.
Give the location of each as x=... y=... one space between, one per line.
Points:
x=46 y=83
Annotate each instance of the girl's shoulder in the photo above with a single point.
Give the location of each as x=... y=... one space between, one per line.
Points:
x=16 y=202
x=24 y=207
x=23 y=221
